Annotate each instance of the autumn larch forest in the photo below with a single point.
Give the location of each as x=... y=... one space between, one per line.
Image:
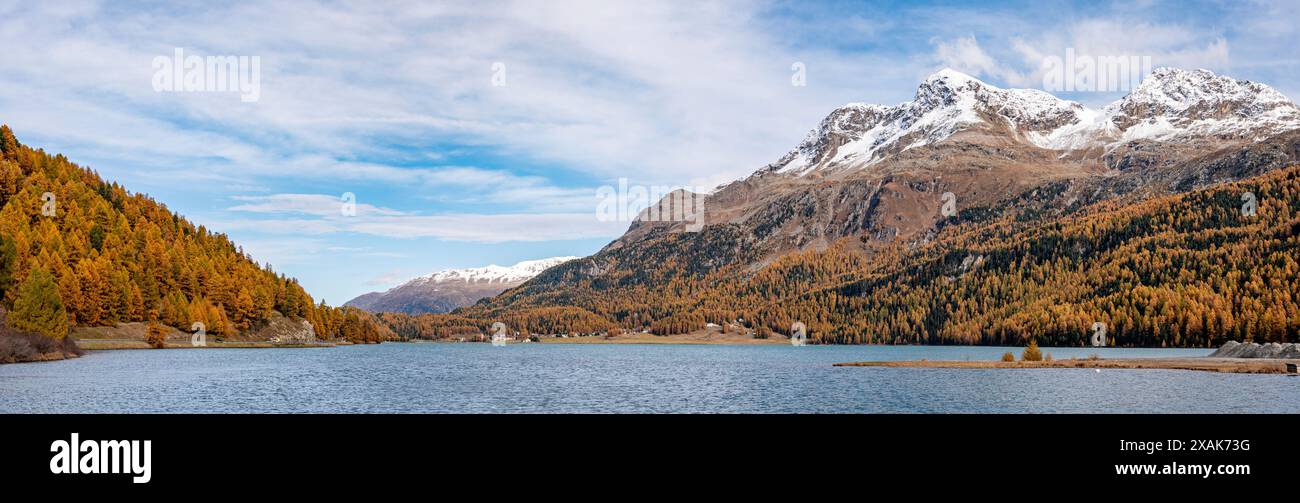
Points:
x=78 y=251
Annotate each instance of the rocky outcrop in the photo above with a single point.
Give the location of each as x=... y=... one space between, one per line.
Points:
x=1234 y=349
x=280 y=329
x=19 y=346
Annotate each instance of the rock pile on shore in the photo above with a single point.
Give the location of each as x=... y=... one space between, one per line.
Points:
x=1234 y=349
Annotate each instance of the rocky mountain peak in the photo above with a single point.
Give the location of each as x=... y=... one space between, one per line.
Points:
x=946 y=102
x=1171 y=104
x=947 y=87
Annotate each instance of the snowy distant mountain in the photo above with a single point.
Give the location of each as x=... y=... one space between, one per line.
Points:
x=492 y=273
x=448 y=289
x=1170 y=105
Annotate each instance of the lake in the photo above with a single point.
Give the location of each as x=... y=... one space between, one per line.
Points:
x=536 y=378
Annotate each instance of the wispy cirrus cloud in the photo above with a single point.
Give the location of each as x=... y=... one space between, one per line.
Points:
x=320 y=214
x=618 y=89
x=308 y=204
x=475 y=228
x=389 y=278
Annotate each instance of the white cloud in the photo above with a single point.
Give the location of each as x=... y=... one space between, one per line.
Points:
x=317 y=215
x=392 y=277
x=661 y=92
x=965 y=55
x=474 y=228
x=308 y=204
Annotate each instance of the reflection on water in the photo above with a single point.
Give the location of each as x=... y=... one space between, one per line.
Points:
x=617 y=378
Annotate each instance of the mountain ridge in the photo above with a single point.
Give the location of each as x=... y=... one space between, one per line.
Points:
x=448 y=289
x=859 y=135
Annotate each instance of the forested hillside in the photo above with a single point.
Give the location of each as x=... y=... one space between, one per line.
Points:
x=1187 y=270
x=1193 y=269
x=76 y=250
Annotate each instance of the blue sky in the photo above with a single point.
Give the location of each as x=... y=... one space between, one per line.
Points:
x=396 y=104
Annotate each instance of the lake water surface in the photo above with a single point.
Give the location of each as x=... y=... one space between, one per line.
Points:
x=537 y=378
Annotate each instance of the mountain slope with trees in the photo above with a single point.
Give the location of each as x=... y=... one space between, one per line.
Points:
x=76 y=250
x=1183 y=270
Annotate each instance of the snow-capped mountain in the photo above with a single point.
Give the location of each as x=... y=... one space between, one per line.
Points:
x=880 y=172
x=1170 y=104
x=493 y=273
x=961 y=155
x=948 y=101
x=448 y=289
x=1182 y=105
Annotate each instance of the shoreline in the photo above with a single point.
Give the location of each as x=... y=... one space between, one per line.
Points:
x=706 y=336
x=1202 y=364
x=117 y=344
